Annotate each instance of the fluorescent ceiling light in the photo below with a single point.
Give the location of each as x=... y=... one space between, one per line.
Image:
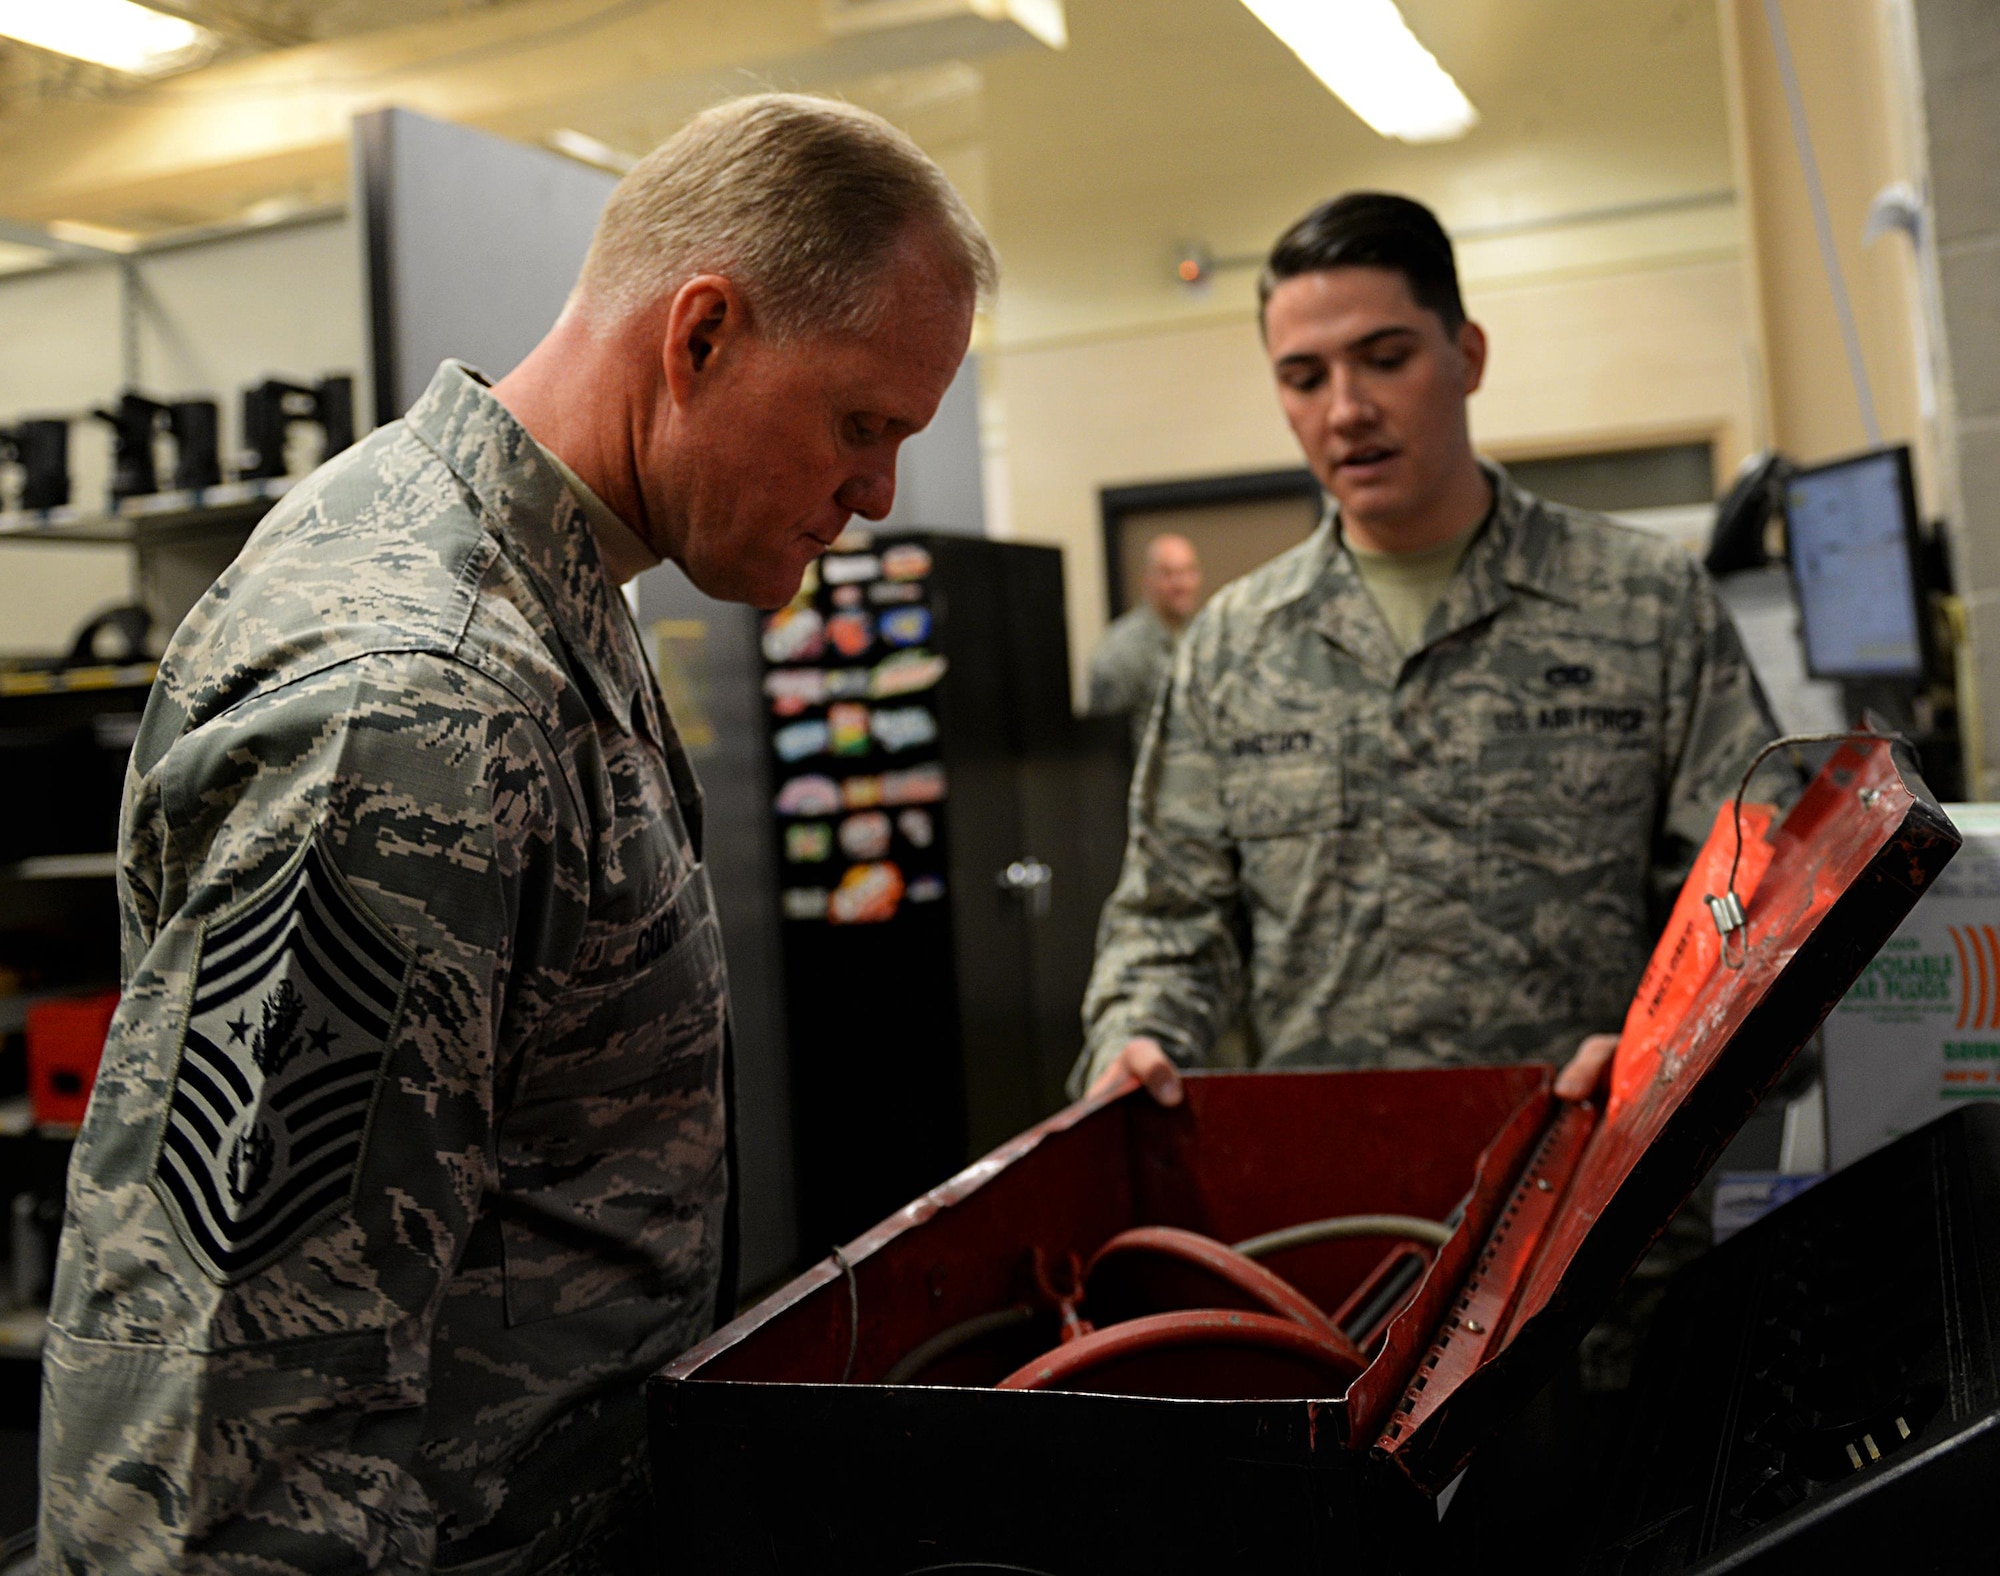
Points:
x=98 y=237
x=1365 y=52
x=586 y=149
x=114 y=33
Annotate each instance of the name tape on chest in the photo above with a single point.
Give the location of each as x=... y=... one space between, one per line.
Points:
x=294 y=998
x=1616 y=721
x=1285 y=741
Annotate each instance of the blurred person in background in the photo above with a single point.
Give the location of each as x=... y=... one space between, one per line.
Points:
x=1131 y=661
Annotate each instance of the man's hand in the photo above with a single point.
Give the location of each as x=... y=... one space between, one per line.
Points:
x=1145 y=1061
x=1586 y=1069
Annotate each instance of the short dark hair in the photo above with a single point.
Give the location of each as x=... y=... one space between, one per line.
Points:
x=1371 y=230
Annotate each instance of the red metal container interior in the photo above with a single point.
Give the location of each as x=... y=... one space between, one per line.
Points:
x=1249 y=1153
x=1244 y=1154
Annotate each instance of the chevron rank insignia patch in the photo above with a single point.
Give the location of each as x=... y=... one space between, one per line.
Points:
x=295 y=993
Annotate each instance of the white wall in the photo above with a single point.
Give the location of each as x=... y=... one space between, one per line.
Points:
x=211 y=319
x=1601 y=361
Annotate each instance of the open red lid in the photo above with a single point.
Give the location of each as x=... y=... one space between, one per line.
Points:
x=1847 y=864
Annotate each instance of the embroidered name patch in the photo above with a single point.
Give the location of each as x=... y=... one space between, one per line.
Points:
x=295 y=994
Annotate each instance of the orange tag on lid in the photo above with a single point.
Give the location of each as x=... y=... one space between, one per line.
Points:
x=1688 y=950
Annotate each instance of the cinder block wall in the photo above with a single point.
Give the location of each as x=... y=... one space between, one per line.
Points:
x=1958 y=46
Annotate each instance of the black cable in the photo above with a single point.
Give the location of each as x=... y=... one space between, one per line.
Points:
x=1732 y=905
x=1411 y=1228
x=853 y=1314
x=926 y=1353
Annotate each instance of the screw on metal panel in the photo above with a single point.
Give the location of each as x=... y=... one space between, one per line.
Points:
x=1542 y=1184
x=1870 y=795
x=1475 y=1327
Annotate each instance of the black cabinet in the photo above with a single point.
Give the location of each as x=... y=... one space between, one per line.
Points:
x=1822 y=1392
x=64 y=741
x=946 y=835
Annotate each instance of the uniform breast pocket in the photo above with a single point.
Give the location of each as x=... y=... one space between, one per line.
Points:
x=1566 y=824
x=1286 y=819
x=611 y=1154
x=1264 y=799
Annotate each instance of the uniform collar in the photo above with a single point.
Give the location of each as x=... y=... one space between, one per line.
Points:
x=1519 y=549
x=540 y=524
x=624 y=555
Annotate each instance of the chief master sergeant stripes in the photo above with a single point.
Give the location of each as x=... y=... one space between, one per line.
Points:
x=284 y=1046
x=409 y=1159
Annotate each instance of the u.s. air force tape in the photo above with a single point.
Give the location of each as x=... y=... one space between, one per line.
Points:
x=295 y=996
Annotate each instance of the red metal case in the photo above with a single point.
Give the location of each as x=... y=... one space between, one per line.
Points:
x=780 y=1428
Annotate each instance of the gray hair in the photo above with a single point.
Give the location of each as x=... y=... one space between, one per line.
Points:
x=799 y=200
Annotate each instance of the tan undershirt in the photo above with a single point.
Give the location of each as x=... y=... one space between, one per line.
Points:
x=1408 y=586
x=625 y=555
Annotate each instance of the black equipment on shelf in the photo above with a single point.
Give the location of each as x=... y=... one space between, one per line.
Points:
x=116 y=636
x=270 y=408
x=197 y=427
x=134 y=423
x=40 y=446
x=1822 y=1392
x=1757 y=493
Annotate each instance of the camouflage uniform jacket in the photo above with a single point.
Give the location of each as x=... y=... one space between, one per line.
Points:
x=1129 y=666
x=1459 y=855
x=408 y=1159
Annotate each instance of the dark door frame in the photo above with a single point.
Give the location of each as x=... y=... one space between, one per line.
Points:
x=1115 y=503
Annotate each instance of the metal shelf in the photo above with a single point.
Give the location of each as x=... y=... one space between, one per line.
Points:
x=63 y=867
x=73 y=681
x=156 y=518
x=22 y=1333
x=14 y=1018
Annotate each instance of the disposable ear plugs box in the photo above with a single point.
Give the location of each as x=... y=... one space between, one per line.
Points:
x=1919 y=1033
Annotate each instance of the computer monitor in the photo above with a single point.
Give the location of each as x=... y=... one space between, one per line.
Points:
x=1851 y=528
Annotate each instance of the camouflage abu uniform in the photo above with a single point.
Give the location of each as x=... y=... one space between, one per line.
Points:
x=1461 y=855
x=1128 y=667
x=408 y=1159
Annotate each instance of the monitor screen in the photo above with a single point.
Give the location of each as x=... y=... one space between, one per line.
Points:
x=1851 y=533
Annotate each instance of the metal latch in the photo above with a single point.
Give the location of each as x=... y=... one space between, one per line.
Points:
x=1029 y=879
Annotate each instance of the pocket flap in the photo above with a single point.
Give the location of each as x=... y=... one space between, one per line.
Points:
x=1284 y=797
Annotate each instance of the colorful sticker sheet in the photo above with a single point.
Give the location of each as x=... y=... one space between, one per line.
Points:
x=809 y=842
x=792 y=691
x=906 y=626
x=847 y=728
x=851 y=633
x=906 y=561
x=867 y=895
x=794 y=634
x=843 y=569
x=906 y=673
x=849 y=692
x=899 y=728
x=796 y=740
x=865 y=836
x=813 y=794
x=918 y=785
x=804 y=902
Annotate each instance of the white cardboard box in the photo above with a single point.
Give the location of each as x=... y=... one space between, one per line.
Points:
x=1920 y=1031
